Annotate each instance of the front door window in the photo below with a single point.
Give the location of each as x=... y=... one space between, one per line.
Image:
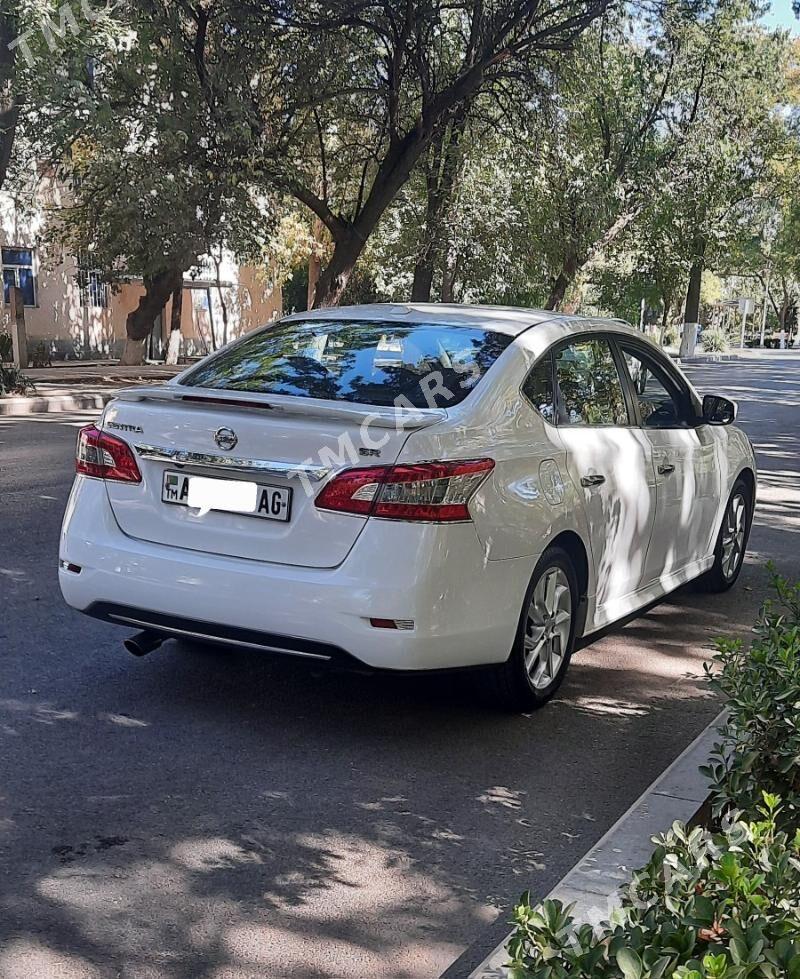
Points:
x=661 y=402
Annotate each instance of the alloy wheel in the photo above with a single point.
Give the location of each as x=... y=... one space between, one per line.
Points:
x=733 y=534
x=547 y=627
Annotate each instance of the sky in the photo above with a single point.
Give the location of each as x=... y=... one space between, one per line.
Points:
x=781 y=15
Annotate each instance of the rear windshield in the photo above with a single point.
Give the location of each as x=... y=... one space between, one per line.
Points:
x=422 y=365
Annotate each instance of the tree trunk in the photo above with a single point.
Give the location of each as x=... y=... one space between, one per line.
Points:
x=422 y=285
x=449 y=272
x=562 y=282
x=132 y=353
x=9 y=106
x=444 y=168
x=664 y=320
x=425 y=264
x=783 y=310
x=350 y=237
x=314 y=262
x=157 y=290
x=691 y=314
x=314 y=269
x=175 y=316
x=222 y=304
x=574 y=262
x=334 y=277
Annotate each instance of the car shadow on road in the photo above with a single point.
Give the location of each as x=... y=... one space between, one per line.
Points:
x=422 y=809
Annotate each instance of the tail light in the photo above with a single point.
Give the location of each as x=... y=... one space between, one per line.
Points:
x=430 y=491
x=105 y=456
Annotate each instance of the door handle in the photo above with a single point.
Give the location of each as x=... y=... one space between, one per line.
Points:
x=595 y=479
x=665 y=468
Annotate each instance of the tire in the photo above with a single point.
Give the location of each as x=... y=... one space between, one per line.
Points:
x=544 y=640
x=731 y=546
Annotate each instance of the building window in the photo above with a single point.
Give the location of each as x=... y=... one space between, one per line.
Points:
x=18 y=271
x=94 y=291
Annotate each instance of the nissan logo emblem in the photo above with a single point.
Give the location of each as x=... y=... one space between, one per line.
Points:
x=226 y=438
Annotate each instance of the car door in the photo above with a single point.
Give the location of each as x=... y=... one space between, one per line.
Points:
x=688 y=474
x=611 y=466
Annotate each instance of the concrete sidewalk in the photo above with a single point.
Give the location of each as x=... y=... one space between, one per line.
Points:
x=72 y=387
x=101 y=372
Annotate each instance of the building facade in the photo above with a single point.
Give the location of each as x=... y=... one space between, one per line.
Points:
x=71 y=314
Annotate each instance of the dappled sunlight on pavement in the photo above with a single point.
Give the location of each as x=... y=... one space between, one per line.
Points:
x=67 y=419
x=197 y=919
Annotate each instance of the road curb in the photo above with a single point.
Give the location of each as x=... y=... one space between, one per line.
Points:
x=594 y=883
x=54 y=403
x=710 y=359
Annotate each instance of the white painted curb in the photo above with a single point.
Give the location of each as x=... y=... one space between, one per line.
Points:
x=594 y=883
x=54 y=403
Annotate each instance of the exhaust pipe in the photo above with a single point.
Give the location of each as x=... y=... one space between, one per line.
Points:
x=143 y=642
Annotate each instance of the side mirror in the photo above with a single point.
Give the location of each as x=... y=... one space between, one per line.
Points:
x=718 y=410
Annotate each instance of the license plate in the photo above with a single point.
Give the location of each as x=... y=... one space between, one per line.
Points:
x=228 y=495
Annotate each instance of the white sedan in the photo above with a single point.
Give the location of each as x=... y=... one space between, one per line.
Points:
x=409 y=487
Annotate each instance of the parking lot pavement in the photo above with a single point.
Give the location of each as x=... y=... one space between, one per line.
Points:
x=206 y=814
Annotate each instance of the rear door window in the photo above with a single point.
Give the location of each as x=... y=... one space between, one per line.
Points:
x=538 y=388
x=589 y=387
x=422 y=365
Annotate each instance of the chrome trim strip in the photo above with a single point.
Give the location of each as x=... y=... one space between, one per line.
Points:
x=265 y=467
x=202 y=635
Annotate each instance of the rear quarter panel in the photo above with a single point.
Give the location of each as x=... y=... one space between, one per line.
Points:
x=528 y=498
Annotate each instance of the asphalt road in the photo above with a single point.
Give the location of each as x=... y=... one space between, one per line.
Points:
x=224 y=815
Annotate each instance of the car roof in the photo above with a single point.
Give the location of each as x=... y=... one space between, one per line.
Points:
x=511 y=320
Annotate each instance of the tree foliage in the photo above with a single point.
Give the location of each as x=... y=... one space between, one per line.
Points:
x=542 y=153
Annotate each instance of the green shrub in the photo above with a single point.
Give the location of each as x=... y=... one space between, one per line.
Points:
x=725 y=906
x=709 y=906
x=714 y=340
x=760 y=742
x=672 y=336
x=6 y=347
x=13 y=381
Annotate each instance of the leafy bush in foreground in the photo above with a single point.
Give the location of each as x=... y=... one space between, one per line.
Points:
x=725 y=906
x=709 y=906
x=760 y=746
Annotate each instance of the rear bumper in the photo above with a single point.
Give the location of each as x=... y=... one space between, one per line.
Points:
x=180 y=628
x=465 y=608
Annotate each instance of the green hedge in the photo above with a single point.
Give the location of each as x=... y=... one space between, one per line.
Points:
x=13 y=381
x=760 y=745
x=712 y=903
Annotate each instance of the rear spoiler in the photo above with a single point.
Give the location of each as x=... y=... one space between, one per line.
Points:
x=281 y=404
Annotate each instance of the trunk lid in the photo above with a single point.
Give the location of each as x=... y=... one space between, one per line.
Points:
x=285 y=442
